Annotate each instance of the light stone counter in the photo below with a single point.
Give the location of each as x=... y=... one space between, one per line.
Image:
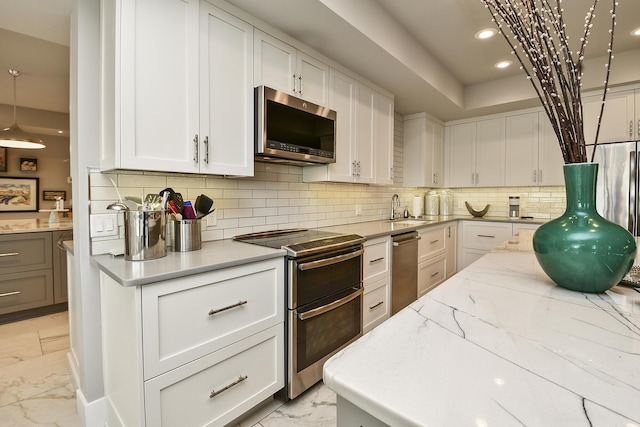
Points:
x=498 y=344
x=381 y=228
x=213 y=256
x=12 y=226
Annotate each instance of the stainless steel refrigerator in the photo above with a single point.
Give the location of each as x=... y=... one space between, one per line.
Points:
x=617 y=186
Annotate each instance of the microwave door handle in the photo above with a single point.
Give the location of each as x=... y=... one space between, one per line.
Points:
x=329 y=261
x=328 y=307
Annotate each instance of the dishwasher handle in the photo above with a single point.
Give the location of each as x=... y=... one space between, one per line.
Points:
x=403 y=239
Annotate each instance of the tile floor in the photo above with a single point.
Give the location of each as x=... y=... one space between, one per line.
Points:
x=35 y=389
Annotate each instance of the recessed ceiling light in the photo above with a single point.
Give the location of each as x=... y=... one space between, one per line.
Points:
x=635 y=32
x=503 y=64
x=486 y=33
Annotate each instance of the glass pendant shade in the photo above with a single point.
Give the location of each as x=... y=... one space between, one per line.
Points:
x=14 y=136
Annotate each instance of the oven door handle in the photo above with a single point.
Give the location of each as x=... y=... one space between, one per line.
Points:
x=326 y=308
x=329 y=261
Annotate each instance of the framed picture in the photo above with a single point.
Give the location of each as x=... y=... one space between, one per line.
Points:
x=28 y=164
x=54 y=195
x=18 y=194
x=3 y=159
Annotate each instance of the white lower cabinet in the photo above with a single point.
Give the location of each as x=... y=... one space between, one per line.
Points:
x=435 y=250
x=480 y=237
x=198 y=350
x=377 y=282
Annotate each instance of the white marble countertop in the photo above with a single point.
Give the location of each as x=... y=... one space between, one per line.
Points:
x=499 y=344
x=11 y=226
x=213 y=256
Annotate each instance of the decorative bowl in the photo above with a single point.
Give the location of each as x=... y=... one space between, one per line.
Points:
x=477 y=214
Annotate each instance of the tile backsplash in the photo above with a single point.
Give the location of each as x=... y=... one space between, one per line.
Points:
x=276 y=198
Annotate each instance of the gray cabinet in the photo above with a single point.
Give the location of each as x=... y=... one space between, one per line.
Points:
x=32 y=271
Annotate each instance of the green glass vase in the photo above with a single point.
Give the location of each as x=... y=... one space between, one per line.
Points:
x=581 y=250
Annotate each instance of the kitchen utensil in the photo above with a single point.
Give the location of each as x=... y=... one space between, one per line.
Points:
x=203 y=205
x=187 y=210
x=178 y=201
x=118 y=206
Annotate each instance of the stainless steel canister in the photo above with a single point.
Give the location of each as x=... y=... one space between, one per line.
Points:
x=431 y=203
x=144 y=235
x=184 y=235
x=446 y=203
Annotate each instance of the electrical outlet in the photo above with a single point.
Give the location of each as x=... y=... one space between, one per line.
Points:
x=358 y=209
x=212 y=219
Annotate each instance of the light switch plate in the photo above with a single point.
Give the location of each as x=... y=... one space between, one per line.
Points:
x=104 y=225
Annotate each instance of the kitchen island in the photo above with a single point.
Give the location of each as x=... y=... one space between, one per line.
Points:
x=497 y=344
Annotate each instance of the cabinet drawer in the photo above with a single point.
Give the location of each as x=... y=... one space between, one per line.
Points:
x=193 y=316
x=376 y=259
x=486 y=235
x=375 y=305
x=431 y=244
x=22 y=291
x=25 y=252
x=431 y=274
x=182 y=397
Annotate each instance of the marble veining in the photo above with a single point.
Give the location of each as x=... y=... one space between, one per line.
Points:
x=500 y=344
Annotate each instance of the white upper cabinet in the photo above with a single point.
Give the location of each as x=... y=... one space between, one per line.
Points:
x=550 y=160
x=364 y=134
x=226 y=93
x=169 y=103
x=476 y=153
x=423 y=152
x=621 y=118
x=150 y=85
x=284 y=68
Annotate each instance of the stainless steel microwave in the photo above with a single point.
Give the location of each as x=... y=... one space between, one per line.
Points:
x=291 y=130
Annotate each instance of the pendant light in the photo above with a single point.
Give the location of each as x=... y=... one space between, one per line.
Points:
x=13 y=136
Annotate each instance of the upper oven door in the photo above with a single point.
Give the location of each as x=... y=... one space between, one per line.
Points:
x=315 y=277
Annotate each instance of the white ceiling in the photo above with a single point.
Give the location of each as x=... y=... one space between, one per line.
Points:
x=421 y=50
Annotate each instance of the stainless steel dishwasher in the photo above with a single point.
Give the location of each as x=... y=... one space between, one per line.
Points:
x=404 y=270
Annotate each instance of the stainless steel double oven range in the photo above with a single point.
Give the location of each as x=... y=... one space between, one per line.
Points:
x=324 y=297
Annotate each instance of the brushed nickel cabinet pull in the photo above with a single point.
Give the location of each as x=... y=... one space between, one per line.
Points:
x=206 y=149
x=631 y=128
x=376 y=260
x=8 y=294
x=9 y=254
x=238 y=304
x=371 y=307
x=435 y=274
x=197 y=153
x=535 y=177
x=435 y=241
x=486 y=235
x=540 y=176
x=225 y=388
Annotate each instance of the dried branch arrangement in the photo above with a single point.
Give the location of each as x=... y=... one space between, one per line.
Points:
x=537 y=37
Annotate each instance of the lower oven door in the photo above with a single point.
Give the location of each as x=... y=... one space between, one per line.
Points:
x=319 y=330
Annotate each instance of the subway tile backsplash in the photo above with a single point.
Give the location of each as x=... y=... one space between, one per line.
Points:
x=276 y=197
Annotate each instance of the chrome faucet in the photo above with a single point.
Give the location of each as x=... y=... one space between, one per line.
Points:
x=395 y=203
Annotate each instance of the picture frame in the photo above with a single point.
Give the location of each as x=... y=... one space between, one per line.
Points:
x=19 y=194
x=3 y=159
x=52 y=195
x=28 y=164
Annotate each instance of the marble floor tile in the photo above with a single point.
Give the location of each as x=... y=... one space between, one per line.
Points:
x=54 y=339
x=34 y=376
x=314 y=408
x=55 y=407
x=19 y=348
x=10 y=330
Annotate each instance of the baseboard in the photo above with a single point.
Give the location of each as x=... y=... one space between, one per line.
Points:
x=92 y=414
x=72 y=366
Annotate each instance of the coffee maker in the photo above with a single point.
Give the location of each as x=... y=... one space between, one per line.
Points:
x=514 y=207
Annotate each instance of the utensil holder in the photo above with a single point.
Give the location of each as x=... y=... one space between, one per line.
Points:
x=144 y=235
x=184 y=235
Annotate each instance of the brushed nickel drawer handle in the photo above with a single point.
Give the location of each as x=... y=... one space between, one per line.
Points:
x=225 y=388
x=376 y=260
x=371 y=307
x=435 y=241
x=435 y=274
x=10 y=254
x=238 y=304
x=8 y=294
x=486 y=235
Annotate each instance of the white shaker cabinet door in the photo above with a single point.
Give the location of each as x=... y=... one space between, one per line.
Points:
x=150 y=84
x=522 y=149
x=617 y=120
x=275 y=63
x=365 y=133
x=461 y=145
x=226 y=94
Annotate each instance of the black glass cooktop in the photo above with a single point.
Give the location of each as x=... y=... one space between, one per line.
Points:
x=299 y=241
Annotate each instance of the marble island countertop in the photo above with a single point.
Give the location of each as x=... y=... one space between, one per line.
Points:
x=33 y=225
x=499 y=344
